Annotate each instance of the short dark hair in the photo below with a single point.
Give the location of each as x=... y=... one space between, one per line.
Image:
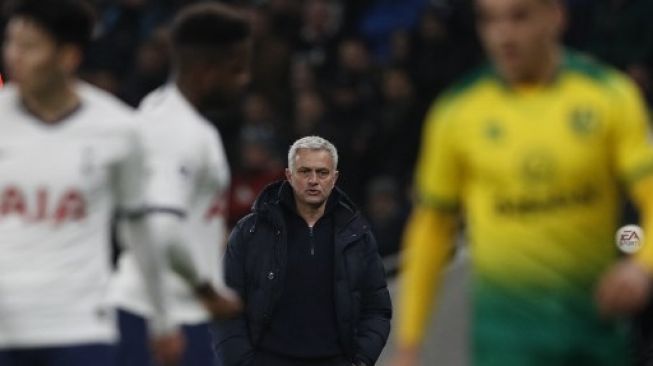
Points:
x=207 y=29
x=67 y=21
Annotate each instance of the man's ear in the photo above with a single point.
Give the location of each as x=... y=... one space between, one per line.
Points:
x=335 y=180
x=70 y=57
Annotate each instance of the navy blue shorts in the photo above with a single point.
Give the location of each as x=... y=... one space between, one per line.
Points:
x=134 y=347
x=78 y=355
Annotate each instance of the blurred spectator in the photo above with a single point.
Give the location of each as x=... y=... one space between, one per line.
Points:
x=257 y=112
x=285 y=17
x=623 y=35
x=355 y=65
x=351 y=123
x=383 y=18
x=437 y=57
x=150 y=70
x=353 y=57
x=387 y=213
x=270 y=67
x=310 y=115
x=398 y=128
x=259 y=166
x=400 y=49
x=123 y=25
x=623 y=32
x=302 y=76
x=318 y=37
x=580 y=21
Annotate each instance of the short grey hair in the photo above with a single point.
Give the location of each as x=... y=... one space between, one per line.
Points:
x=312 y=143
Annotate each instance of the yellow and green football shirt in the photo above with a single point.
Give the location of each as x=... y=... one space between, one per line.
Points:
x=538 y=174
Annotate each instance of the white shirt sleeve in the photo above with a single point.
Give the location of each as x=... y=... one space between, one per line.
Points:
x=217 y=165
x=172 y=170
x=138 y=232
x=190 y=259
x=128 y=179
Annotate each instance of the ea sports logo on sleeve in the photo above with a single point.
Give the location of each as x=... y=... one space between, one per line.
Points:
x=630 y=238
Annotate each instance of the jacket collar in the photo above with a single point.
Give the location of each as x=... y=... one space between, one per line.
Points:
x=280 y=192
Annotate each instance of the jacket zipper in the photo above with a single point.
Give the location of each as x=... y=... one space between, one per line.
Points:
x=312 y=240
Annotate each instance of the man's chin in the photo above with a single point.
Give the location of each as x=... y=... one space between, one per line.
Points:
x=315 y=202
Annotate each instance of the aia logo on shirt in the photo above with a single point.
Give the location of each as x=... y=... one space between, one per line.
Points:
x=70 y=206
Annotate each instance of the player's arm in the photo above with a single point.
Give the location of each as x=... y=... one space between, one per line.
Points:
x=167 y=193
x=171 y=184
x=219 y=299
x=625 y=288
x=220 y=303
x=215 y=174
x=429 y=236
x=428 y=244
x=216 y=160
x=642 y=197
x=140 y=234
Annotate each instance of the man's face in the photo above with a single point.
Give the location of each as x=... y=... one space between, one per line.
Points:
x=313 y=177
x=31 y=56
x=228 y=78
x=518 y=34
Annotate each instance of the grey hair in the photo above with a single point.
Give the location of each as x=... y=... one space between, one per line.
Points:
x=312 y=143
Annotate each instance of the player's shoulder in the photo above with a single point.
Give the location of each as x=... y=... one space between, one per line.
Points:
x=595 y=74
x=471 y=85
x=155 y=101
x=470 y=92
x=106 y=108
x=106 y=115
x=166 y=106
x=165 y=117
x=104 y=101
x=471 y=89
x=166 y=102
x=210 y=132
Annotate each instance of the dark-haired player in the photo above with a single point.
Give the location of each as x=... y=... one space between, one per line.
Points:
x=189 y=176
x=69 y=157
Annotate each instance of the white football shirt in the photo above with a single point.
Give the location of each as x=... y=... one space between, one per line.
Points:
x=59 y=185
x=188 y=174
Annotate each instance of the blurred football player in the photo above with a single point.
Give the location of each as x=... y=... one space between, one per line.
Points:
x=189 y=176
x=534 y=150
x=70 y=156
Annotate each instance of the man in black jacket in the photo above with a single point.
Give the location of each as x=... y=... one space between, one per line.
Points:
x=307 y=266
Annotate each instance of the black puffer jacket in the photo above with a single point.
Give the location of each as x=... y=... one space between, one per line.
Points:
x=255 y=267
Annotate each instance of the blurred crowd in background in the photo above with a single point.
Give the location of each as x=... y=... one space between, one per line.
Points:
x=360 y=73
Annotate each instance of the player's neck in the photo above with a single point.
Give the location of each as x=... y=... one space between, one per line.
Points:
x=544 y=73
x=189 y=91
x=310 y=214
x=54 y=104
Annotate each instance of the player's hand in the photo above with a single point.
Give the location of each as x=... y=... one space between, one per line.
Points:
x=408 y=356
x=222 y=305
x=168 y=350
x=624 y=289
